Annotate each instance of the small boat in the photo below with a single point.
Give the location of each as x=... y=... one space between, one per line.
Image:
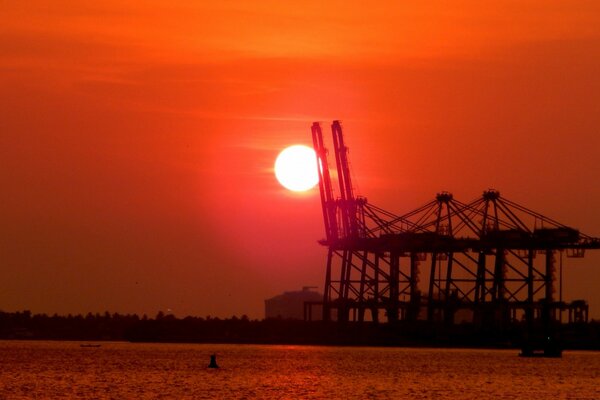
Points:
x=547 y=353
x=548 y=346
x=551 y=350
x=89 y=345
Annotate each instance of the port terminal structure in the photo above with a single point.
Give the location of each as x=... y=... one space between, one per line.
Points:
x=491 y=260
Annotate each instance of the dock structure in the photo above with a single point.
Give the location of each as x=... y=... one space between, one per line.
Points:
x=490 y=261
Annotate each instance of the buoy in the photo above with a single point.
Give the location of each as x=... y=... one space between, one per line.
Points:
x=213 y=361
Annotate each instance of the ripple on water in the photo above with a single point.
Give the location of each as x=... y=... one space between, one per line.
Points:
x=154 y=371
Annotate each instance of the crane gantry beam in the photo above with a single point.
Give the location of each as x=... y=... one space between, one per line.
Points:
x=491 y=257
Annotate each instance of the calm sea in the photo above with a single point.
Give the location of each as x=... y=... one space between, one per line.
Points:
x=44 y=370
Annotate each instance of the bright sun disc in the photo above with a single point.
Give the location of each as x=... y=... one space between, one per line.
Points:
x=296 y=168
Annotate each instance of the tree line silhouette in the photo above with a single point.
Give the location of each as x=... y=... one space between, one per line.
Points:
x=168 y=328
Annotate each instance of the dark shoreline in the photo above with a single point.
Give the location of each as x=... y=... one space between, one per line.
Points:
x=169 y=329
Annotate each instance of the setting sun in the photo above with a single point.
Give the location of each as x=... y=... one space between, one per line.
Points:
x=296 y=168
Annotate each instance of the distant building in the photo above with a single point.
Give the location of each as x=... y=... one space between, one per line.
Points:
x=290 y=305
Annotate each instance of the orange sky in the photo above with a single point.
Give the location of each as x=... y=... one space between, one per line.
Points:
x=138 y=138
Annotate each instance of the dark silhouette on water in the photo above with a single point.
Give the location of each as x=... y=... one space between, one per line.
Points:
x=213 y=361
x=551 y=348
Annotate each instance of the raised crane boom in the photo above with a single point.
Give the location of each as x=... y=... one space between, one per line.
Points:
x=325 y=188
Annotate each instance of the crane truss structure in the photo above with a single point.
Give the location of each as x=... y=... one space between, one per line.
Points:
x=490 y=258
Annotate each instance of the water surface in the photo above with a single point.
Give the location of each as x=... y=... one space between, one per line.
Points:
x=166 y=371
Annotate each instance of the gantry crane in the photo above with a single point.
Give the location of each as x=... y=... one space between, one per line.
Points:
x=490 y=258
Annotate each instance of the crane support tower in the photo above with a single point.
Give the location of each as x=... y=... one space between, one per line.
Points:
x=490 y=261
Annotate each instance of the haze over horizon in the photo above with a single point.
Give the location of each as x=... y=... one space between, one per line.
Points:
x=138 y=137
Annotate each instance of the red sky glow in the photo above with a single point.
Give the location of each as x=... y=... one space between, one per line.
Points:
x=138 y=137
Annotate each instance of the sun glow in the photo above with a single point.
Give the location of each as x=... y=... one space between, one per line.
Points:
x=296 y=168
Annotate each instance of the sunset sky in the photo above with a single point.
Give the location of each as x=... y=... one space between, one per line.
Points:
x=137 y=138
